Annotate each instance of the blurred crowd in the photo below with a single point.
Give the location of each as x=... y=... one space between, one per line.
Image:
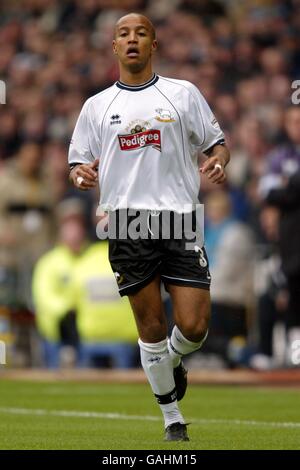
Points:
x=244 y=57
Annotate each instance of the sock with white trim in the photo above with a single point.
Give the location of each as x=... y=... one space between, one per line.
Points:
x=158 y=368
x=179 y=346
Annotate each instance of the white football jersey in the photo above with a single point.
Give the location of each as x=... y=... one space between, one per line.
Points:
x=147 y=139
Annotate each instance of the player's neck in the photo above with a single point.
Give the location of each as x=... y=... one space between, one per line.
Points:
x=138 y=78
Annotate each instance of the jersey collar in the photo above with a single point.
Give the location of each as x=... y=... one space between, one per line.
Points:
x=140 y=87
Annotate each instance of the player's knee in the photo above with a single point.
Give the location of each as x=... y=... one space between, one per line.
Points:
x=152 y=331
x=195 y=331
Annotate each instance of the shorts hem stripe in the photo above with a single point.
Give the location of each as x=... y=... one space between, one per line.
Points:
x=185 y=280
x=142 y=280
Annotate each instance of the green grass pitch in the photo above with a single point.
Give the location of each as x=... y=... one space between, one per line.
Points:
x=108 y=417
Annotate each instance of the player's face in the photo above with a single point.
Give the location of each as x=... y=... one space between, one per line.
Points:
x=134 y=43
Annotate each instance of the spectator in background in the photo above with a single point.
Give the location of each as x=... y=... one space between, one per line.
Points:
x=279 y=189
x=80 y=315
x=284 y=160
x=26 y=222
x=52 y=287
x=287 y=200
x=9 y=136
x=270 y=290
x=230 y=246
x=107 y=330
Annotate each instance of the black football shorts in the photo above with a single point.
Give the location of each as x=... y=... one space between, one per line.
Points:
x=135 y=262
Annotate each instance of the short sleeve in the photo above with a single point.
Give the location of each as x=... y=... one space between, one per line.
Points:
x=205 y=131
x=85 y=143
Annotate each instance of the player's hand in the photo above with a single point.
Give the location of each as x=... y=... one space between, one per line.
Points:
x=214 y=169
x=85 y=176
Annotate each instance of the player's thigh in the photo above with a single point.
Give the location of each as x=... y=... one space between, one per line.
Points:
x=135 y=263
x=149 y=313
x=191 y=310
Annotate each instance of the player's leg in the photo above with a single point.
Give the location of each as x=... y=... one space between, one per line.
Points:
x=191 y=311
x=186 y=275
x=136 y=263
x=151 y=324
x=148 y=311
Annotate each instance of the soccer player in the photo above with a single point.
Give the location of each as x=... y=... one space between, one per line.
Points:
x=140 y=138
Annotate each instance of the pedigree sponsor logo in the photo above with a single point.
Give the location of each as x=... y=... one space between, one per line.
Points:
x=140 y=139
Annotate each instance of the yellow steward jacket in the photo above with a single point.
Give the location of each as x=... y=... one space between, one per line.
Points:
x=102 y=315
x=52 y=290
x=85 y=283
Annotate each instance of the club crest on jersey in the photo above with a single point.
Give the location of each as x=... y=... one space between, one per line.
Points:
x=164 y=115
x=139 y=135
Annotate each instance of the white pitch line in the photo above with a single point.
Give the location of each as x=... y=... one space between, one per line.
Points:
x=77 y=414
x=119 y=416
x=248 y=423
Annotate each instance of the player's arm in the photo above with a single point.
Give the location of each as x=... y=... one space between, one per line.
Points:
x=84 y=176
x=207 y=136
x=214 y=167
x=84 y=149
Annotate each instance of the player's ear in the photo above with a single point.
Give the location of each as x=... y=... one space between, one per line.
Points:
x=154 y=45
x=114 y=45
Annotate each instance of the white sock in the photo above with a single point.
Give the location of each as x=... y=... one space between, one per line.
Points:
x=292 y=347
x=158 y=368
x=179 y=346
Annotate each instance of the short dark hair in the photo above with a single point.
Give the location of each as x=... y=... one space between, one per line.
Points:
x=150 y=24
